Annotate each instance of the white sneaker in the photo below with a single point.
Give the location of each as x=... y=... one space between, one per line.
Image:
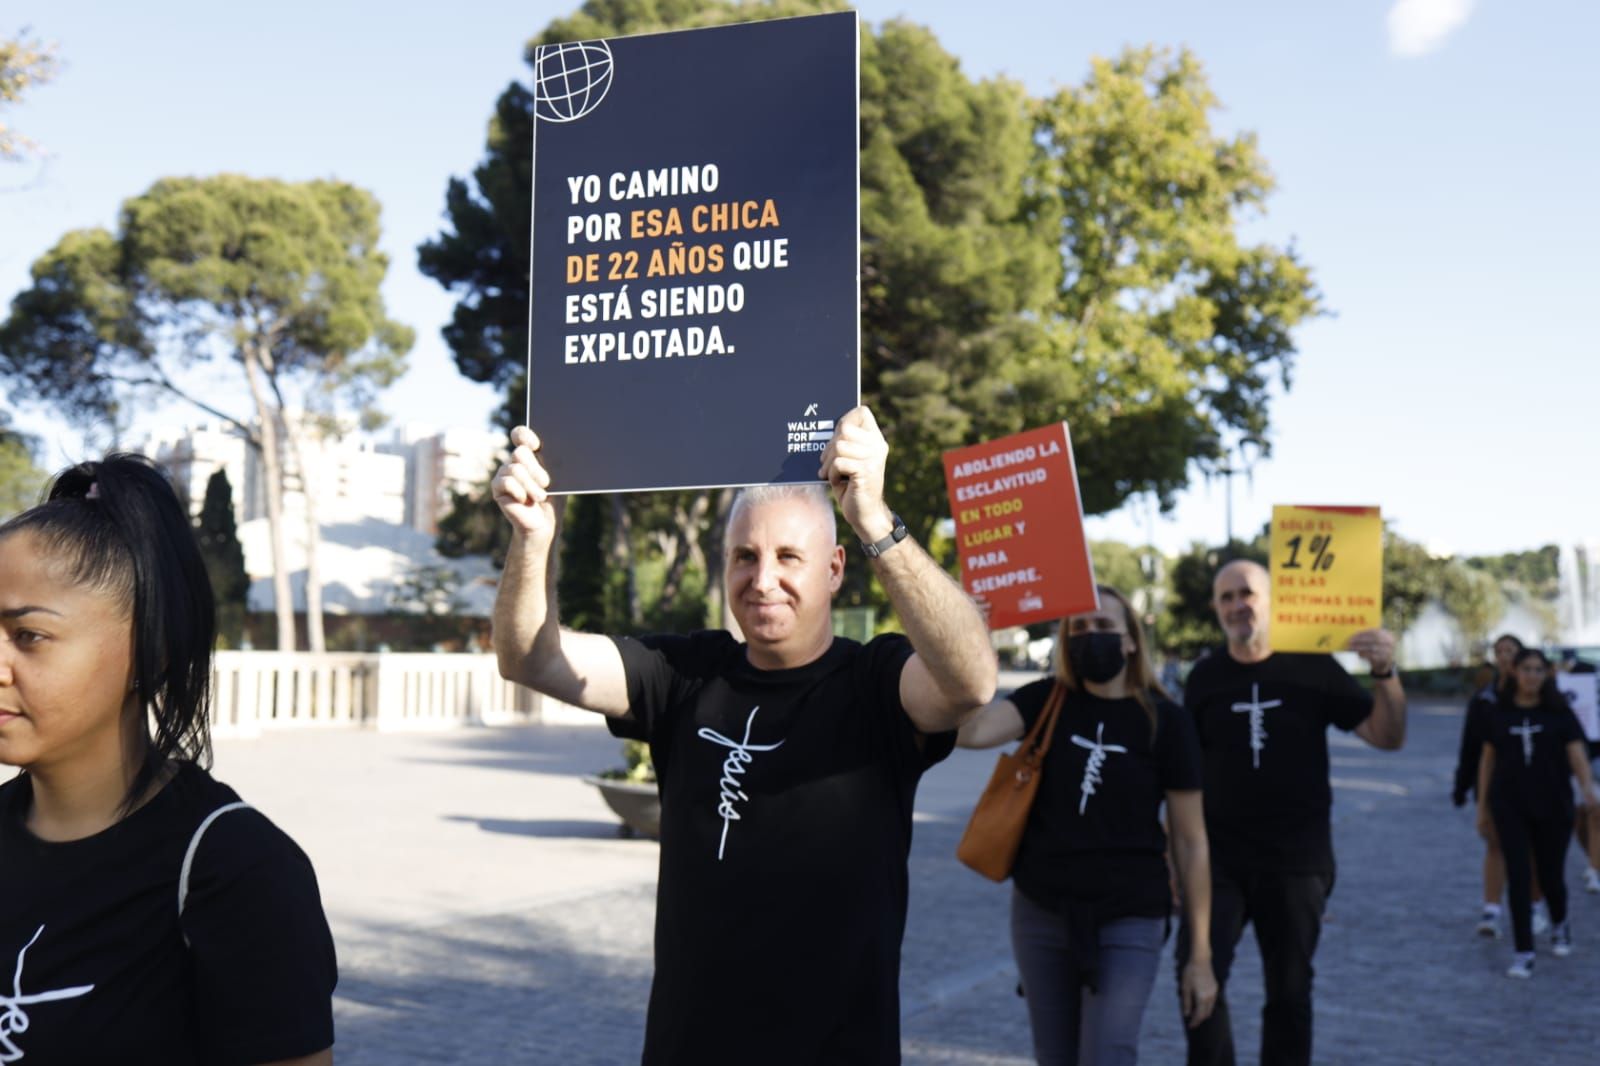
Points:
x=1561 y=941
x=1541 y=920
x=1489 y=922
x=1591 y=880
x=1521 y=965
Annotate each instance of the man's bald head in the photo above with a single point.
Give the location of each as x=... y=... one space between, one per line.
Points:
x=1241 y=594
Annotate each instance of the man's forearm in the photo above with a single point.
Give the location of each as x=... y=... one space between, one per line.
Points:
x=526 y=630
x=943 y=625
x=1389 y=712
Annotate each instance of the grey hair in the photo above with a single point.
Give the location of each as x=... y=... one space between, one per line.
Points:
x=814 y=492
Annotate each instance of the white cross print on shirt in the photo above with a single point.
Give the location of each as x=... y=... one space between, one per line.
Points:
x=733 y=768
x=13 y=1016
x=1097 y=757
x=1526 y=731
x=1258 y=727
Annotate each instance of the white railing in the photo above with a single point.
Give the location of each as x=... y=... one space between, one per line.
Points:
x=257 y=690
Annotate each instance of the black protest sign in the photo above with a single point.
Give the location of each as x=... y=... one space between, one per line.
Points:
x=695 y=274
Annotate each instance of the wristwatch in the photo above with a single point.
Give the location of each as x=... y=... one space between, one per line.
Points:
x=1386 y=675
x=896 y=535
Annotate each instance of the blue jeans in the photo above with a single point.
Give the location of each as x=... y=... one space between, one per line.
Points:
x=1073 y=1026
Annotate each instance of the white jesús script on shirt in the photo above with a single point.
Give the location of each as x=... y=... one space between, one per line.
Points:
x=13 y=1019
x=1526 y=732
x=1258 y=726
x=1097 y=757
x=733 y=768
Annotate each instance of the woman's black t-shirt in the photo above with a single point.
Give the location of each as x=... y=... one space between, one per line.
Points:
x=92 y=947
x=1094 y=835
x=1530 y=758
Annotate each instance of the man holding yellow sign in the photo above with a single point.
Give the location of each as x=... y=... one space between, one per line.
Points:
x=1262 y=714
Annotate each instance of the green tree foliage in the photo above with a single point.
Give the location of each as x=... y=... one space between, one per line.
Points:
x=1411 y=578
x=1535 y=574
x=1023 y=260
x=25 y=64
x=1475 y=601
x=473 y=526
x=1128 y=569
x=20 y=480
x=218 y=535
x=279 y=279
x=582 y=584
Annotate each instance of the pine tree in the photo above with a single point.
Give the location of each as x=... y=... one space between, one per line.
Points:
x=224 y=555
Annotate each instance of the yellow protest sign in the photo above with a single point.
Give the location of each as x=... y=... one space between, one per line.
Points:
x=1327 y=576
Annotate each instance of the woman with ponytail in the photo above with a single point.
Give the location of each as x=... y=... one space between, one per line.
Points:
x=1091 y=901
x=146 y=914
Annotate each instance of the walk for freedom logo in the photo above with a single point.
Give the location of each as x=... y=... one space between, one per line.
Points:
x=570 y=79
x=809 y=434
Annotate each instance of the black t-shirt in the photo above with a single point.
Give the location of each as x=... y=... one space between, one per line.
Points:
x=1094 y=833
x=786 y=800
x=1530 y=758
x=91 y=934
x=1264 y=731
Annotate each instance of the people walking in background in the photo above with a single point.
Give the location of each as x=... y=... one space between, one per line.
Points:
x=1588 y=823
x=1263 y=718
x=146 y=914
x=1090 y=903
x=1533 y=744
x=1474 y=730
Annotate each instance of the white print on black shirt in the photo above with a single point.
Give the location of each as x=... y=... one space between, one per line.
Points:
x=1526 y=732
x=1097 y=756
x=733 y=768
x=13 y=1019
x=1258 y=725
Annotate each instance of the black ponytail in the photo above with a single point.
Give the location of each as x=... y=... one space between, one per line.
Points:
x=118 y=527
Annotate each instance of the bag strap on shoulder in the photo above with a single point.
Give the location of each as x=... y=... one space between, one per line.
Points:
x=194 y=845
x=1033 y=745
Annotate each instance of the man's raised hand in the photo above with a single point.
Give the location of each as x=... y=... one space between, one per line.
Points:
x=521 y=488
x=853 y=464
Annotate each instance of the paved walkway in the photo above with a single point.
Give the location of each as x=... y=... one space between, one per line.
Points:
x=487 y=912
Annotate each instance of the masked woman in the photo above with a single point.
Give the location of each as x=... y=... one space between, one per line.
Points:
x=146 y=914
x=1092 y=896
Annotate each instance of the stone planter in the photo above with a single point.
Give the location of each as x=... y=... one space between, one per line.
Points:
x=638 y=805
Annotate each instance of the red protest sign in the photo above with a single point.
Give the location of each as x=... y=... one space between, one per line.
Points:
x=1019 y=526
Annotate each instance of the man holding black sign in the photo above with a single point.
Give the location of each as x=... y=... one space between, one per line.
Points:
x=1263 y=720
x=787 y=764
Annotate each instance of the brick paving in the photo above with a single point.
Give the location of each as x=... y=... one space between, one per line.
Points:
x=486 y=912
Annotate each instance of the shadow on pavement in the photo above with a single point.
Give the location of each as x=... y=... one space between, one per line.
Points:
x=540 y=827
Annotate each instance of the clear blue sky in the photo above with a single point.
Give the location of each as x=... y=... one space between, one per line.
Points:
x=1441 y=183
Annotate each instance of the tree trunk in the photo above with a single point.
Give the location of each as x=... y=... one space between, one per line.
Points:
x=717 y=613
x=685 y=544
x=315 y=641
x=272 y=485
x=620 y=555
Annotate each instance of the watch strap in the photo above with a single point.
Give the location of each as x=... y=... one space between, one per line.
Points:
x=896 y=535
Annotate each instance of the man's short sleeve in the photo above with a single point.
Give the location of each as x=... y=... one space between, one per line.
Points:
x=1348 y=704
x=885 y=659
x=1177 y=750
x=264 y=965
x=657 y=670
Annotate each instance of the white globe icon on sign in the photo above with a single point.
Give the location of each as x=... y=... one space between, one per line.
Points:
x=570 y=80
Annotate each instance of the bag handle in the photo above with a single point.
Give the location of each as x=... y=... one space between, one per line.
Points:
x=1033 y=749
